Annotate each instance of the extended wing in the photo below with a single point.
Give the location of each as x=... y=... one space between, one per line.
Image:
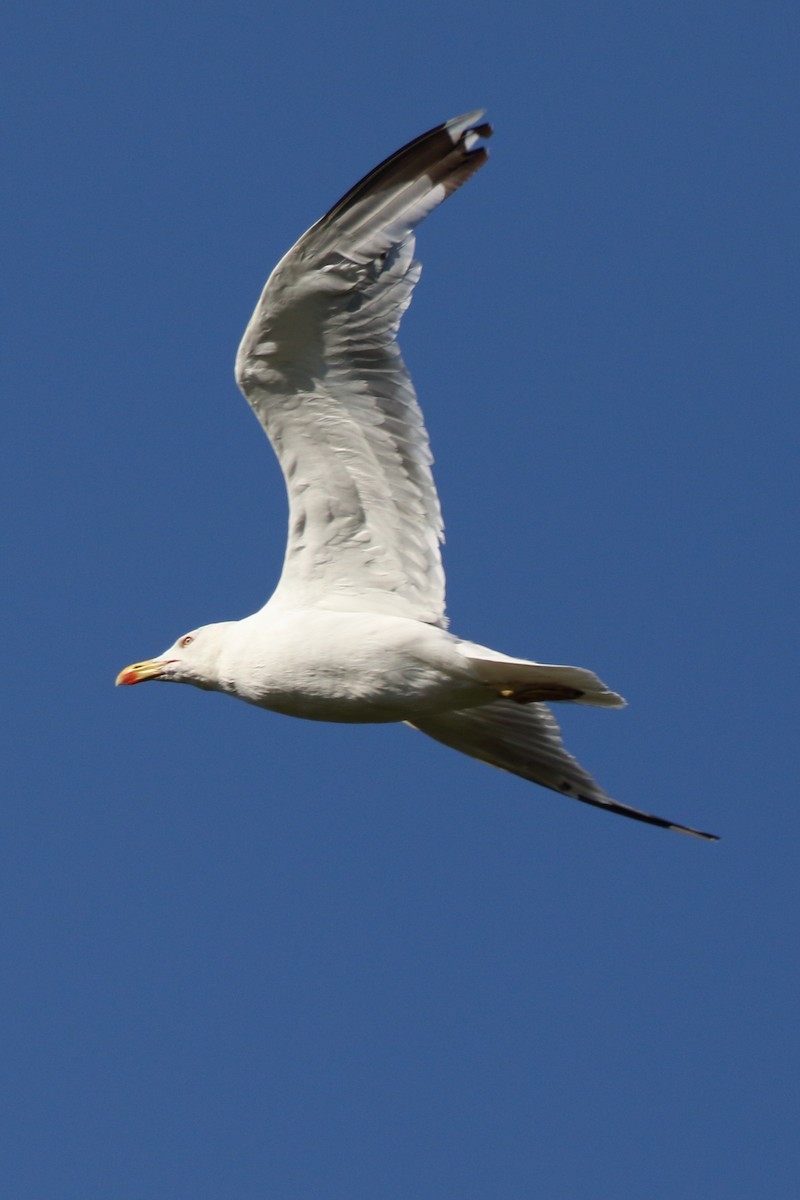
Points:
x=320 y=366
x=525 y=740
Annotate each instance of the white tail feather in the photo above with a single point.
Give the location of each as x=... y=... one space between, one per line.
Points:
x=524 y=681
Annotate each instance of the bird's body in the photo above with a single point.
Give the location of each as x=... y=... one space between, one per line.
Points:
x=344 y=666
x=356 y=630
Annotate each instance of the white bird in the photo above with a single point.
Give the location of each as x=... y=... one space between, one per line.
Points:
x=356 y=630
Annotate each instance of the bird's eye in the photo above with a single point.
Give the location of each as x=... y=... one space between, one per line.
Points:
x=186 y=641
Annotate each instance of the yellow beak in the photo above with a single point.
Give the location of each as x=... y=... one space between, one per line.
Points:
x=151 y=668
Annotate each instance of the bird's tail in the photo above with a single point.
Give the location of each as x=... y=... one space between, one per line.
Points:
x=524 y=681
x=525 y=740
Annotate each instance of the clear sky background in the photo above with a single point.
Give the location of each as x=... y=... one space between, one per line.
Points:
x=249 y=957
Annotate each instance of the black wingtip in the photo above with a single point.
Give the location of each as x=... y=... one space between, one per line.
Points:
x=448 y=154
x=698 y=833
x=635 y=814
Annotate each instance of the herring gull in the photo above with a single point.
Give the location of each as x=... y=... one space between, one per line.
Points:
x=356 y=629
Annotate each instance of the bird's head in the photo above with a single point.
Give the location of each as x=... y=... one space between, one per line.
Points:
x=193 y=658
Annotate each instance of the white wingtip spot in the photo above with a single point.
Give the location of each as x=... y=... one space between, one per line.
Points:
x=457 y=125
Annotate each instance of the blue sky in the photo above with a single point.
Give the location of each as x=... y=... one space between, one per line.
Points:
x=245 y=956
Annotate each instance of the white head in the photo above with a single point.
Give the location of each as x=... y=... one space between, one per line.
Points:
x=193 y=658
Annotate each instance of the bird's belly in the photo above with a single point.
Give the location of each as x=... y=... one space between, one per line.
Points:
x=333 y=696
x=363 y=670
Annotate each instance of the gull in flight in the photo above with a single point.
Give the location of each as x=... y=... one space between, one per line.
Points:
x=356 y=629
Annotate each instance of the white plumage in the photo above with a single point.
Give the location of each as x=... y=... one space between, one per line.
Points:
x=356 y=629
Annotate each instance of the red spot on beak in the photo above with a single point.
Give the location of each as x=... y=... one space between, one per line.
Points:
x=129 y=675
